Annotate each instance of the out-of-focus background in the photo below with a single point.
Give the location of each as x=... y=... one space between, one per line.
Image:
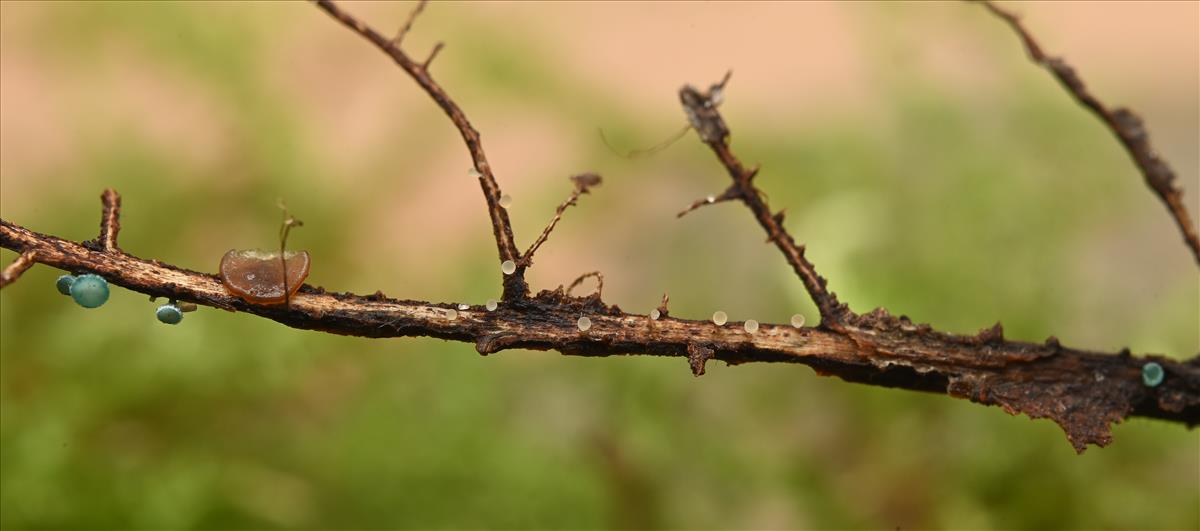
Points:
x=930 y=168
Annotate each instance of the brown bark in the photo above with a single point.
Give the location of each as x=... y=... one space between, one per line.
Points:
x=1084 y=392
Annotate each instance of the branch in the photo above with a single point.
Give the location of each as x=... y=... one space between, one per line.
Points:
x=110 y=221
x=1084 y=392
x=729 y=194
x=1123 y=123
x=1028 y=378
x=583 y=183
x=701 y=110
x=412 y=17
x=514 y=284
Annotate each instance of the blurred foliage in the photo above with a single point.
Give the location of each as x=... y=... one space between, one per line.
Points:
x=950 y=214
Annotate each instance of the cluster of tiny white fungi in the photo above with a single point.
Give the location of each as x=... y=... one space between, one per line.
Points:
x=719 y=318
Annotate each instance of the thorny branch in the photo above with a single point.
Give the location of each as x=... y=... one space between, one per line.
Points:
x=1084 y=392
x=514 y=284
x=1126 y=125
x=701 y=110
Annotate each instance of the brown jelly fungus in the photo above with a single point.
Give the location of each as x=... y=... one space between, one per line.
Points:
x=257 y=277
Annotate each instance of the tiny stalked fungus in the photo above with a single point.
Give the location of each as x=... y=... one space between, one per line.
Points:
x=89 y=291
x=257 y=277
x=169 y=314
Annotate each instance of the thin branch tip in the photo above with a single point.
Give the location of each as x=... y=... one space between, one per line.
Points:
x=583 y=183
x=1123 y=123
x=408 y=23
x=514 y=285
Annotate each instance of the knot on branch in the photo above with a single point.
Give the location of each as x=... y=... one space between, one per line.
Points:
x=697 y=357
x=493 y=343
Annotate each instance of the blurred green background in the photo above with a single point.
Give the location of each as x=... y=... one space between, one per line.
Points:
x=929 y=167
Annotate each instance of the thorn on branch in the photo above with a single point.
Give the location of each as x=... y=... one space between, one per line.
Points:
x=432 y=54
x=662 y=307
x=584 y=182
x=14 y=270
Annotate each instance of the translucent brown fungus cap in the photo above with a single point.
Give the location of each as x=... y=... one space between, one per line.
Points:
x=256 y=276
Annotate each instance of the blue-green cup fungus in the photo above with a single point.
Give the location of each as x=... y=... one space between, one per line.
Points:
x=169 y=314
x=64 y=284
x=1152 y=374
x=89 y=291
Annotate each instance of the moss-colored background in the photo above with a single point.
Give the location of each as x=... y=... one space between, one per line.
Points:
x=929 y=167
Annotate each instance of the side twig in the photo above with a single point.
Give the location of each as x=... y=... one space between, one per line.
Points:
x=515 y=286
x=701 y=110
x=1124 y=124
x=14 y=270
x=583 y=183
x=408 y=23
x=110 y=221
